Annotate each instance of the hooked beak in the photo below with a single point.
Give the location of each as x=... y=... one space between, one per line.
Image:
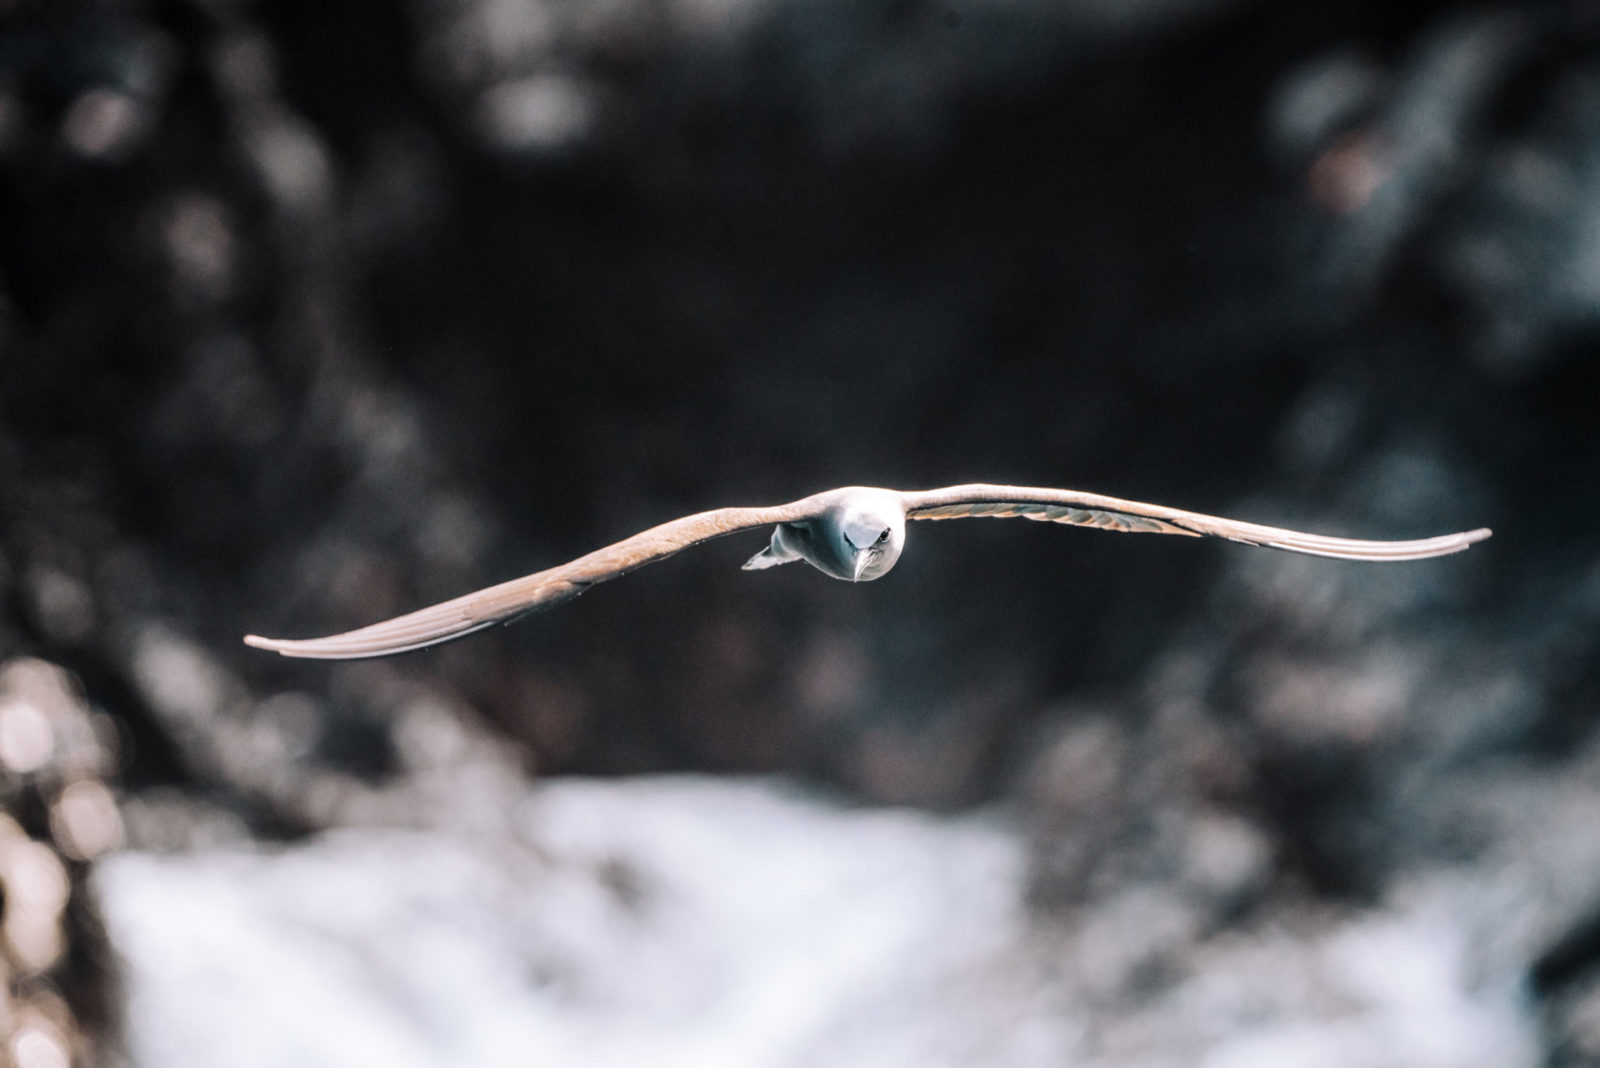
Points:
x=863 y=558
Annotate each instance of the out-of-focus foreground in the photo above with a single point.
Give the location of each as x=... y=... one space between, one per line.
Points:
x=312 y=313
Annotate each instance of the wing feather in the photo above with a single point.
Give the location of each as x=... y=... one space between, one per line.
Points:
x=1113 y=513
x=537 y=592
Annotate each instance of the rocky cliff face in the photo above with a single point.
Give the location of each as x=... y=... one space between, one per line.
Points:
x=309 y=315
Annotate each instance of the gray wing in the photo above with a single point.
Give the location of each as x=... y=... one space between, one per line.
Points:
x=1111 y=513
x=533 y=593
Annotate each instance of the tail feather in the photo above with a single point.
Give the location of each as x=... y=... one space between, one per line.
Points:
x=767 y=558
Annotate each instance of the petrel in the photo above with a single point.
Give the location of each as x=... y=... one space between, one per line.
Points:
x=854 y=533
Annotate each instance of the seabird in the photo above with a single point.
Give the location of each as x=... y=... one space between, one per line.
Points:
x=853 y=533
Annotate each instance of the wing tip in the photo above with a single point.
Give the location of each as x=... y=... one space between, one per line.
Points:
x=310 y=648
x=1377 y=551
x=381 y=639
x=1455 y=543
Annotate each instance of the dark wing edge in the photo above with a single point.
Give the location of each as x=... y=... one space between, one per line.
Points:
x=538 y=592
x=1112 y=513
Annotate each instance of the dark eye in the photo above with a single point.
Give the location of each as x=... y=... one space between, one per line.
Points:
x=882 y=538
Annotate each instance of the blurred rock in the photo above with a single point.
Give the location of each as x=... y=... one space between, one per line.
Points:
x=58 y=1004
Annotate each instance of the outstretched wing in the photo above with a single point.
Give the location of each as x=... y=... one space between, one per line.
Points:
x=532 y=593
x=1111 y=513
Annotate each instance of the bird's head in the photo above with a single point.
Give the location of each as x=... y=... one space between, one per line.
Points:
x=872 y=533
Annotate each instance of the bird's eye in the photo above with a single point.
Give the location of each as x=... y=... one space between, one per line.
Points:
x=882 y=538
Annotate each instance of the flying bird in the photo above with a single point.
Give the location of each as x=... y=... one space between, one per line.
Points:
x=854 y=533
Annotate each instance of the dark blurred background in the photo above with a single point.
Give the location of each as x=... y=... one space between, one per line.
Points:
x=314 y=313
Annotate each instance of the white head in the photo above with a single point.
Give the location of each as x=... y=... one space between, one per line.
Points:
x=869 y=530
